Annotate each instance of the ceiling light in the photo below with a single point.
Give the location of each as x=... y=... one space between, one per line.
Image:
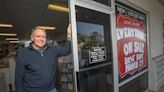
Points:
x=58 y=7
x=47 y=27
x=9 y=39
x=7 y=34
x=14 y=41
x=6 y=25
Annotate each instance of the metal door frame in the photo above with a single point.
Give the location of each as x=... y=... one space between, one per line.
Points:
x=100 y=8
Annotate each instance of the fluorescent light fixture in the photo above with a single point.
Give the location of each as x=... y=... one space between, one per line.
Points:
x=6 y=25
x=12 y=39
x=47 y=27
x=58 y=7
x=7 y=34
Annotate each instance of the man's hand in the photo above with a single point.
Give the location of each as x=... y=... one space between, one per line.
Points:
x=69 y=32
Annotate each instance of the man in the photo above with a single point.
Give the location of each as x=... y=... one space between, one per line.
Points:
x=36 y=64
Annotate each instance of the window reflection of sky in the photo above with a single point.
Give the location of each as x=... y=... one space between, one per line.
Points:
x=88 y=28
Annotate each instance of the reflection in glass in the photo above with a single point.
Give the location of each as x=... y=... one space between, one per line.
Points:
x=98 y=80
x=90 y=34
x=91 y=38
x=139 y=84
x=93 y=33
x=94 y=51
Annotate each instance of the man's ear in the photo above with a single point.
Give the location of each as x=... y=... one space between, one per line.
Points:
x=32 y=38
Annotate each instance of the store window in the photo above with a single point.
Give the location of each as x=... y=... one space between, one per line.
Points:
x=93 y=33
x=94 y=51
x=96 y=80
x=131 y=30
x=139 y=84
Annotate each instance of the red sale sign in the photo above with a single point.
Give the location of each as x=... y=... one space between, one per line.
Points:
x=131 y=43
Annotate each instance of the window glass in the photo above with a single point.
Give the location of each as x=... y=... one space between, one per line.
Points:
x=94 y=51
x=96 y=80
x=93 y=33
x=132 y=47
x=139 y=84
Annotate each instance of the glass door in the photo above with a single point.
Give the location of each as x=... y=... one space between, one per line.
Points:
x=92 y=47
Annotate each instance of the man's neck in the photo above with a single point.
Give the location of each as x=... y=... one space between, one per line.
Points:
x=36 y=47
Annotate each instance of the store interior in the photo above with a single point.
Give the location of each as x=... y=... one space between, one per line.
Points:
x=17 y=19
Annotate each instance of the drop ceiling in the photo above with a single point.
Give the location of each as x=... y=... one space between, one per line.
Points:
x=27 y=14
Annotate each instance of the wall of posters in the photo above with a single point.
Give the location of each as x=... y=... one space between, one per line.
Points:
x=131 y=41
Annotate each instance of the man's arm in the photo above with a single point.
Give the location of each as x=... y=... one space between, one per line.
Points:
x=19 y=74
x=69 y=33
x=67 y=49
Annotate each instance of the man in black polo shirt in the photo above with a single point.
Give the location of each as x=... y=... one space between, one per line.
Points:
x=36 y=64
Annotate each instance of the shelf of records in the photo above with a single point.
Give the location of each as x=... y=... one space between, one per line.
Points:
x=67 y=73
x=67 y=77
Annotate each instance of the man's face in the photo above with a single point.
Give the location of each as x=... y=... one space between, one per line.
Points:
x=39 y=38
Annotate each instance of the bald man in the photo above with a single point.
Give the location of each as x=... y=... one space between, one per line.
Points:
x=36 y=64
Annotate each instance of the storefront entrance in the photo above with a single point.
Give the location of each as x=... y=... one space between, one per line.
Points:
x=92 y=45
x=110 y=46
x=109 y=43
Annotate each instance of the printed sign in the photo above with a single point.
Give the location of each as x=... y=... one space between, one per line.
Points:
x=131 y=41
x=97 y=54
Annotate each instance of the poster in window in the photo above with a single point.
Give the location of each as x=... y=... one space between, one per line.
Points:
x=131 y=41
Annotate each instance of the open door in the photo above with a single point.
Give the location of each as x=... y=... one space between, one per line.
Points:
x=92 y=45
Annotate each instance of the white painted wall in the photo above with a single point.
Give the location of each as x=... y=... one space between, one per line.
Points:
x=156 y=13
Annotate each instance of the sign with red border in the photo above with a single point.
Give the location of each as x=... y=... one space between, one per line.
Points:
x=131 y=41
